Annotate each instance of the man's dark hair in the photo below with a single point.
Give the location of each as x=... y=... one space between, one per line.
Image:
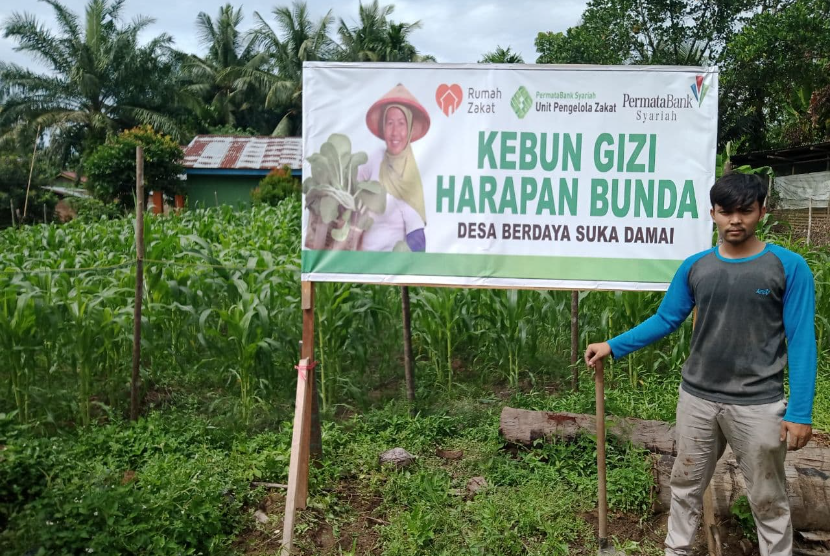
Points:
x=735 y=191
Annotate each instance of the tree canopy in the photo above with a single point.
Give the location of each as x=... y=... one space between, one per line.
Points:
x=99 y=78
x=111 y=167
x=773 y=56
x=105 y=74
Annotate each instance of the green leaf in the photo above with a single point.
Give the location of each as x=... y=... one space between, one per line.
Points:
x=335 y=166
x=376 y=202
x=341 y=143
x=401 y=247
x=372 y=186
x=329 y=209
x=340 y=234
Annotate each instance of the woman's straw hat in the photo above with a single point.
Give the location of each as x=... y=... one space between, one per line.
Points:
x=398 y=95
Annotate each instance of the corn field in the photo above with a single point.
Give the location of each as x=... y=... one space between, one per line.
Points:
x=221 y=312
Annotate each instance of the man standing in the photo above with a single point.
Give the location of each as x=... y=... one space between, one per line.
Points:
x=756 y=310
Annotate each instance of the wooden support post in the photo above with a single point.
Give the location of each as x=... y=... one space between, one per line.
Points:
x=315 y=445
x=602 y=492
x=11 y=204
x=139 y=279
x=297 y=495
x=407 y=349
x=575 y=340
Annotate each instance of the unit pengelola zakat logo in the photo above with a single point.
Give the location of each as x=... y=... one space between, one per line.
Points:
x=521 y=102
x=700 y=88
x=449 y=98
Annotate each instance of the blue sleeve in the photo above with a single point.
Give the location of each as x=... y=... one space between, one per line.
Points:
x=416 y=240
x=673 y=310
x=799 y=327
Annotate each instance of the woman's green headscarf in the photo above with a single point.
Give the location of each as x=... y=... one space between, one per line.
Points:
x=399 y=173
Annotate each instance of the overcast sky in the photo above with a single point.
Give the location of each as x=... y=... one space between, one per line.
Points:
x=453 y=30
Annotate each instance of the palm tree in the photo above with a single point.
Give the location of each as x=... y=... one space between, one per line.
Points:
x=502 y=56
x=216 y=96
x=100 y=80
x=297 y=39
x=377 y=38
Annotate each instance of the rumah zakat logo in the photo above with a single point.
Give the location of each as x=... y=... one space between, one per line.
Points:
x=449 y=98
x=521 y=102
x=700 y=88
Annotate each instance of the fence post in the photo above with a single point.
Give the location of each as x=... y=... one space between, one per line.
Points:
x=139 y=278
x=809 y=219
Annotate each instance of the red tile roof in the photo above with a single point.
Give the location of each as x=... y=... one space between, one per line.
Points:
x=237 y=152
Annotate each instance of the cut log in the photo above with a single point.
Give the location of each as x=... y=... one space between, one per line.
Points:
x=808 y=469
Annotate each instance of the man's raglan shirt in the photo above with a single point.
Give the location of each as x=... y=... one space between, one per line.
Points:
x=753 y=314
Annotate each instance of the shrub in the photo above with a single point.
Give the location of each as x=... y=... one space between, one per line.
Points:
x=276 y=186
x=93 y=209
x=111 y=167
x=14 y=177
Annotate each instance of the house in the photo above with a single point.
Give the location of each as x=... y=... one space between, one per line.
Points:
x=223 y=169
x=67 y=184
x=801 y=187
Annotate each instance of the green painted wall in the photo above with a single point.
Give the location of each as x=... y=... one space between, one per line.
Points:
x=230 y=190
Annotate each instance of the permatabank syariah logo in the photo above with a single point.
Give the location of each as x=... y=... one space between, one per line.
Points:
x=700 y=88
x=521 y=102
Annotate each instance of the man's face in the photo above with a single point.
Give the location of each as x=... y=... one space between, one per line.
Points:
x=395 y=131
x=738 y=225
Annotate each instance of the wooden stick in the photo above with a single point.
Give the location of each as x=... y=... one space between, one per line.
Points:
x=575 y=339
x=293 y=501
x=709 y=524
x=31 y=170
x=139 y=279
x=297 y=494
x=268 y=485
x=11 y=204
x=602 y=493
x=407 y=348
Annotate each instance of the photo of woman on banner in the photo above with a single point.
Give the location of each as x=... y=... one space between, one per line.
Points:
x=398 y=119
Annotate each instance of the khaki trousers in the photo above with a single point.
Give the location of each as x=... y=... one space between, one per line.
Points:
x=753 y=432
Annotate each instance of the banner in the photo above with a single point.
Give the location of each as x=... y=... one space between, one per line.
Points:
x=577 y=177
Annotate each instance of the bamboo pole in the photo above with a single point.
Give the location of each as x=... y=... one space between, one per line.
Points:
x=11 y=204
x=31 y=171
x=575 y=340
x=407 y=348
x=139 y=279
